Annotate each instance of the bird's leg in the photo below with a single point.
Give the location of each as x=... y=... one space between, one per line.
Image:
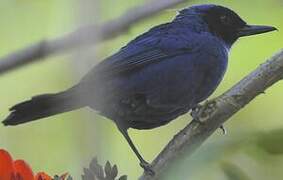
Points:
x=145 y=165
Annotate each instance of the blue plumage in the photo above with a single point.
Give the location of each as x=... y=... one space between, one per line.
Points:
x=155 y=78
x=159 y=75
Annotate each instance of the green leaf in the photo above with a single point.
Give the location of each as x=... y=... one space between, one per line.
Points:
x=233 y=172
x=271 y=142
x=88 y=175
x=114 y=171
x=56 y=177
x=124 y=177
x=69 y=178
x=107 y=169
x=96 y=171
x=96 y=168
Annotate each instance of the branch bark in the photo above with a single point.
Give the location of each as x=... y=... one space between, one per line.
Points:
x=215 y=112
x=83 y=36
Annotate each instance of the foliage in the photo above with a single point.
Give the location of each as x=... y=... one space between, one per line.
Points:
x=97 y=172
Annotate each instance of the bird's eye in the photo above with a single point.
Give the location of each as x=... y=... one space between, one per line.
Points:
x=225 y=20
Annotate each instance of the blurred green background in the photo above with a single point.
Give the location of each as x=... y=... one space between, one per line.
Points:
x=252 y=149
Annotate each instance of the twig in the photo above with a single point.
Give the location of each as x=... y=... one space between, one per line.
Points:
x=84 y=36
x=215 y=112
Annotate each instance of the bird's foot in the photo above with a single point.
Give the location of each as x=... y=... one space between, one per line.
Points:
x=224 y=131
x=201 y=113
x=147 y=168
x=195 y=112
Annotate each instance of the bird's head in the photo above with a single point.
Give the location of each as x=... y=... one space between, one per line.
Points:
x=222 y=22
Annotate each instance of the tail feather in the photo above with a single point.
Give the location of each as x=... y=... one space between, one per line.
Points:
x=43 y=106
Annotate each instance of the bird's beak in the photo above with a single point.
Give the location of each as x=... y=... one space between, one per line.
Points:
x=249 y=30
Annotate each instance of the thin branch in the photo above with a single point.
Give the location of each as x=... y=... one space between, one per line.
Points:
x=215 y=112
x=84 y=36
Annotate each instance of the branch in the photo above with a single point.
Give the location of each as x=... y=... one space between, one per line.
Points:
x=84 y=36
x=215 y=112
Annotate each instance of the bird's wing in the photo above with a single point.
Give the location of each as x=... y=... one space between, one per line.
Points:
x=156 y=45
x=122 y=61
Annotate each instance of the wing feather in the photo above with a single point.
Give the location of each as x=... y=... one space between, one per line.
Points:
x=151 y=48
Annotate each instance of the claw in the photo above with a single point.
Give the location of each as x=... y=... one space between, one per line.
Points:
x=147 y=168
x=224 y=131
x=198 y=110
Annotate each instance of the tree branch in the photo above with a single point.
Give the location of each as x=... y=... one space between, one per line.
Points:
x=215 y=112
x=84 y=36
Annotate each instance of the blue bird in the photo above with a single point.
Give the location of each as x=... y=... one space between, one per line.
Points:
x=156 y=77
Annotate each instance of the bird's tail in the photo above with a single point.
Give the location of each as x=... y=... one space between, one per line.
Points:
x=43 y=106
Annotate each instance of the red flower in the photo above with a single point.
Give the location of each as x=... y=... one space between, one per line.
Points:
x=19 y=169
x=6 y=165
x=42 y=176
x=23 y=170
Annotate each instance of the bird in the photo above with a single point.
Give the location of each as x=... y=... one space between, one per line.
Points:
x=158 y=76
